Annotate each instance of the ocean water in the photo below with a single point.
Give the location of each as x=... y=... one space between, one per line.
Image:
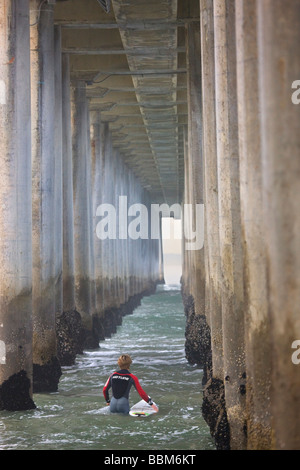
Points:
x=76 y=418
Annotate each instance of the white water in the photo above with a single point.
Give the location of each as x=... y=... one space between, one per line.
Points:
x=76 y=417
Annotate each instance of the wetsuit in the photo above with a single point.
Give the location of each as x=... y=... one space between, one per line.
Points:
x=121 y=383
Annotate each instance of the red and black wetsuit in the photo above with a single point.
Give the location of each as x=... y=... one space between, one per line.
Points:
x=121 y=383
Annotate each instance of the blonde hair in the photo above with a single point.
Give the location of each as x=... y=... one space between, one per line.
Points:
x=124 y=361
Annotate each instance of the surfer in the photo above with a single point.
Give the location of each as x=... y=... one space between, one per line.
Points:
x=121 y=382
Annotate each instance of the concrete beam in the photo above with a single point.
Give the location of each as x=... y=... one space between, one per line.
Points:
x=137 y=25
x=82 y=206
x=279 y=67
x=230 y=219
x=258 y=350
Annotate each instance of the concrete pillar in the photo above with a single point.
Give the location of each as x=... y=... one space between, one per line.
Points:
x=125 y=242
x=279 y=68
x=126 y=266
x=257 y=323
x=105 y=139
x=108 y=243
x=143 y=259
x=114 y=243
x=58 y=170
x=134 y=246
x=46 y=367
x=155 y=252
x=131 y=257
x=229 y=220
x=161 y=275
x=191 y=333
x=15 y=209
x=122 y=173
x=186 y=254
x=97 y=196
x=149 y=248
x=110 y=175
x=90 y=208
x=82 y=213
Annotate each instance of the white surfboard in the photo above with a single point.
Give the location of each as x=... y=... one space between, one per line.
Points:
x=142 y=409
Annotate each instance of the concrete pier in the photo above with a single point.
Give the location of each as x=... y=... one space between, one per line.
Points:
x=69 y=328
x=106 y=112
x=257 y=321
x=83 y=276
x=15 y=209
x=195 y=312
x=213 y=397
x=231 y=263
x=279 y=67
x=46 y=367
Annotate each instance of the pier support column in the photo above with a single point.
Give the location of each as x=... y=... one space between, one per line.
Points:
x=258 y=351
x=97 y=190
x=161 y=276
x=68 y=218
x=110 y=194
x=82 y=213
x=46 y=367
x=186 y=254
x=58 y=170
x=15 y=209
x=213 y=408
x=213 y=302
x=68 y=323
x=197 y=331
x=106 y=155
x=279 y=67
x=229 y=220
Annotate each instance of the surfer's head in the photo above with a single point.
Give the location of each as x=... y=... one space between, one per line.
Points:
x=124 y=361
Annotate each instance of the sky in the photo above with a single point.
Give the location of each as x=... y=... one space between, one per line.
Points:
x=171 y=230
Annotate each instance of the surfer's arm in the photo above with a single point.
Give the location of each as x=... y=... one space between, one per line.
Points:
x=106 y=388
x=140 y=391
